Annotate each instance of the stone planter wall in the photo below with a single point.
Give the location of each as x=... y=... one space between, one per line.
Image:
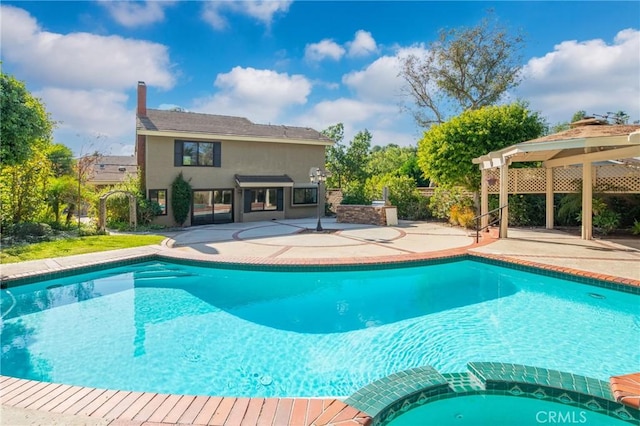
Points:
x=363 y=214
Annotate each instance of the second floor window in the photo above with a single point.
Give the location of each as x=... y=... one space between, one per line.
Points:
x=199 y=154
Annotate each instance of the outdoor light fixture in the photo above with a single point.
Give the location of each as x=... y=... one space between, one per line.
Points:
x=317 y=175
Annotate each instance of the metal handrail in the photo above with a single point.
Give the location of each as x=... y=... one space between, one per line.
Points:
x=477 y=220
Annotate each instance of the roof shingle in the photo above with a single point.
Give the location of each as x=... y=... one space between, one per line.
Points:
x=178 y=121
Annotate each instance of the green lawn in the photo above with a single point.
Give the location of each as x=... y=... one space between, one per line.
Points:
x=70 y=246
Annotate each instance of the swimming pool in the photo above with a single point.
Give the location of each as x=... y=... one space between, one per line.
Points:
x=189 y=329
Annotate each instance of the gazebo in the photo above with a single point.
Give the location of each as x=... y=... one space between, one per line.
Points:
x=588 y=142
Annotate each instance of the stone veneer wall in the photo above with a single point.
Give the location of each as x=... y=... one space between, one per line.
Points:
x=368 y=215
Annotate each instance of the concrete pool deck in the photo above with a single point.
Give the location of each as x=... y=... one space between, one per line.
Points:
x=26 y=402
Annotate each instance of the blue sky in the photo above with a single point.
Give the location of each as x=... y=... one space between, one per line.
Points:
x=303 y=63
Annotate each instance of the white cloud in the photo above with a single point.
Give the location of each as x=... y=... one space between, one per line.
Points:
x=363 y=44
x=132 y=13
x=260 y=95
x=81 y=60
x=261 y=10
x=324 y=49
x=90 y=119
x=89 y=111
x=379 y=81
x=590 y=75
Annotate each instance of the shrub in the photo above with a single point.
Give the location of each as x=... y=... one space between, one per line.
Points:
x=635 y=229
x=443 y=200
x=180 y=199
x=147 y=210
x=403 y=193
x=354 y=193
x=32 y=232
x=606 y=221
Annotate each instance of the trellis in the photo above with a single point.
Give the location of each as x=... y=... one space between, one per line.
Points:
x=613 y=178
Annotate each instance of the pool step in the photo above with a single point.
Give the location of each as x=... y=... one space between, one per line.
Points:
x=160 y=274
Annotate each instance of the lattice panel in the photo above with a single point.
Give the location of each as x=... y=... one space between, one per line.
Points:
x=493 y=178
x=567 y=179
x=618 y=178
x=610 y=178
x=528 y=181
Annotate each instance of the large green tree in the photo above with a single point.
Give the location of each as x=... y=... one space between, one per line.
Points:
x=24 y=123
x=23 y=189
x=347 y=164
x=446 y=150
x=466 y=68
x=335 y=155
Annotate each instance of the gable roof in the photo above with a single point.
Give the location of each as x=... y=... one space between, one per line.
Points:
x=588 y=131
x=595 y=141
x=207 y=125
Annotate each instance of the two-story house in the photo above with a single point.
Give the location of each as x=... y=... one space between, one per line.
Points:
x=239 y=171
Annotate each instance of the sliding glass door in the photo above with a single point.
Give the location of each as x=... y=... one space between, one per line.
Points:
x=212 y=206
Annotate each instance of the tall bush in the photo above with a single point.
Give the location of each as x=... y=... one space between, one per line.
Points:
x=403 y=193
x=444 y=200
x=180 y=199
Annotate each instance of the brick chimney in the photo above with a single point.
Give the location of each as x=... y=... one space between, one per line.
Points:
x=142 y=99
x=141 y=140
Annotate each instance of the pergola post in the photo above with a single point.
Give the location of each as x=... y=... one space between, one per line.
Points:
x=549 y=199
x=504 y=198
x=587 y=201
x=484 y=199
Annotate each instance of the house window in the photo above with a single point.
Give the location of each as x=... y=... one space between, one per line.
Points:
x=160 y=197
x=305 y=196
x=263 y=199
x=199 y=154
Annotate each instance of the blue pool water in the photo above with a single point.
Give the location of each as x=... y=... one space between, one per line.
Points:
x=499 y=410
x=171 y=328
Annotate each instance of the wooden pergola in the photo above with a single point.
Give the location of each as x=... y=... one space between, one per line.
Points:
x=586 y=142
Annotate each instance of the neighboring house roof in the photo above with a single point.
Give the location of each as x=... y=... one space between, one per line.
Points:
x=111 y=169
x=177 y=122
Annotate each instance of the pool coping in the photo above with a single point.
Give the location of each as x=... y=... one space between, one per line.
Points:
x=627 y=285
x=128 y=407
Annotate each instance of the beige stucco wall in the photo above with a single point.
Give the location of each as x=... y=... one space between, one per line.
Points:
x=238 y=157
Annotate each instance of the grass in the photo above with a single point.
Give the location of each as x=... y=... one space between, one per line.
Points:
x=71 y=246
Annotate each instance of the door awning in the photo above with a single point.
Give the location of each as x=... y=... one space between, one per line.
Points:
x=263 y=181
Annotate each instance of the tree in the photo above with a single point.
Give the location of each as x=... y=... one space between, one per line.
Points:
x=578 y=115
x=61 y=190
x=467 y=68
x=347 y=164
x=23 y=189
x=335 y=155
x=357 y=157
x=387 y=159
x=446 y=150
x=84 y=170
x=61 y=158
x=24 y=124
